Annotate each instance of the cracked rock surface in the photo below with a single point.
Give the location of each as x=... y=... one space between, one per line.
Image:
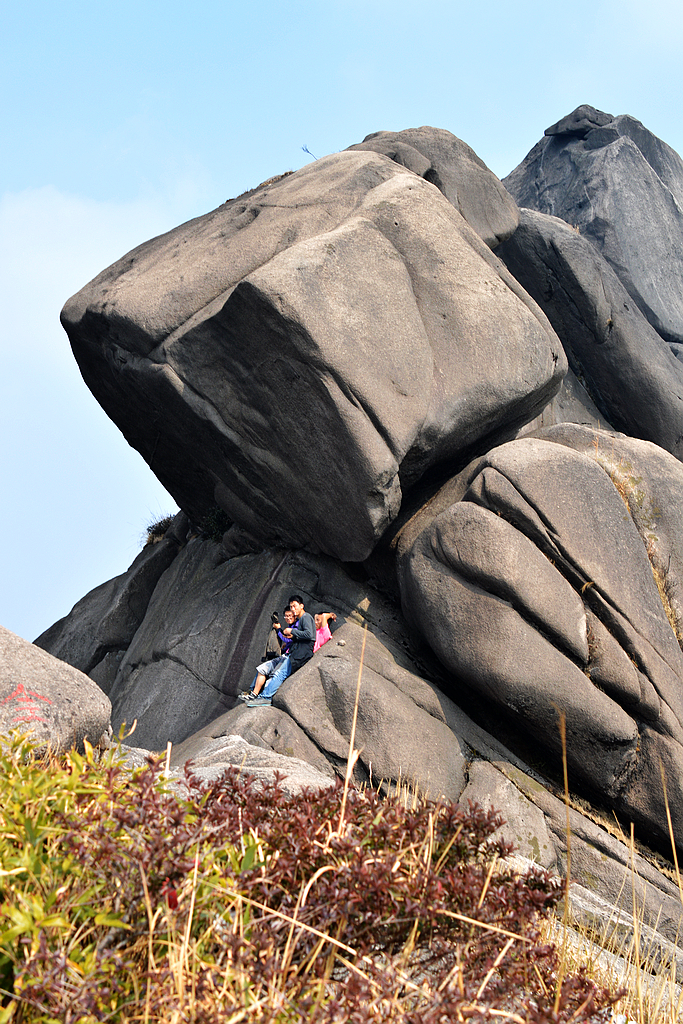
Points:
x=622 y=188
x=628 y=370
x=534 y=585
x=346 y=313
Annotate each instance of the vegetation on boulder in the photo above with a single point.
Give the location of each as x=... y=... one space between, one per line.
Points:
x=124 y=900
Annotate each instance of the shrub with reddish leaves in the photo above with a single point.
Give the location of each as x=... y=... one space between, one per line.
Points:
x=236 y=902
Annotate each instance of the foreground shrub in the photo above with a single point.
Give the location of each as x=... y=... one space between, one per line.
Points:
x=124 y=901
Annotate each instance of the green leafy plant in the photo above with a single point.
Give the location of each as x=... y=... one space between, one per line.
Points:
x=215 y=523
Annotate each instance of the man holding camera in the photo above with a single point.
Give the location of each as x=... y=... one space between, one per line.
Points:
x=272 y=674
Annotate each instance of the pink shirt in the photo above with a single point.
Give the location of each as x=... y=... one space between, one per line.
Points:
x=321 y=637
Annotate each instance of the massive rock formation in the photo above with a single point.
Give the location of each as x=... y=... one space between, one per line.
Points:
x=304 y=353
x=533 y=583
x=630 y=373
x=338 y=365
x=622 y=188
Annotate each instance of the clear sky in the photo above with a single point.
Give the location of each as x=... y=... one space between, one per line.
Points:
x=121 y=120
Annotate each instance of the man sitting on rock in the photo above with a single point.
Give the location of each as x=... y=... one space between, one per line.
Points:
x=271 y=675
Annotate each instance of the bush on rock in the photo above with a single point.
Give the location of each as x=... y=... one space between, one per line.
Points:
x=123 y=900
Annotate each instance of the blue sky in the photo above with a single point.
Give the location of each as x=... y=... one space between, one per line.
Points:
x=120 y=121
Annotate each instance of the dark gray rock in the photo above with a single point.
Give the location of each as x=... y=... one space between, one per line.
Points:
x=628 y=370
x=650 y=481
x=105 y=671
x=213 y=756
x=580 y=122
x=481 y=569
x=401 y=730
x=622 y=188
x=456 y=170
x=100 y=626
x=206 y=628
x=56 y=704
x=255 y=338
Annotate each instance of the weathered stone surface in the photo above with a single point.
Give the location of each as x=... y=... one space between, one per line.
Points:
x=179 y=672
x=212 y=756
x=571 y=404
x=205 y=632
x=279 y=734
x=104 y=622
x=651 y=482
x=581 y=121
x=525 y=824
x=482 y=589
x=405 y=728
x=628 y=370
x=58 y=705
x=232 y=348
x=233 y=751
x=622 y=187
x=456 y=170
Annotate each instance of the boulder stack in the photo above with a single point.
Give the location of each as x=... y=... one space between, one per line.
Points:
x=474 y=455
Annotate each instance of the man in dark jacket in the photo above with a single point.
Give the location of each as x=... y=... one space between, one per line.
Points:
x=302 y=635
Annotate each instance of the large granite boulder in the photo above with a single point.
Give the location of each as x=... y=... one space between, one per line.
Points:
x=534 y=585
x=628 y=370
x=622 y=188
x=56 y=704
x=456 y=170
x=307 y=351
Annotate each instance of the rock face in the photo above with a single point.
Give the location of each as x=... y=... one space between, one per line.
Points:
x=304 y=353
x=307 y=365
x=204 y=631
x=402 y=730
x=534 y=585
x=259 y=762
x=58 y=705
x=457 y=172
x=629 y=372
x=622 y=187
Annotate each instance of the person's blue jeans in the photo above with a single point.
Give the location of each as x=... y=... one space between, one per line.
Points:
x=273 y=684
